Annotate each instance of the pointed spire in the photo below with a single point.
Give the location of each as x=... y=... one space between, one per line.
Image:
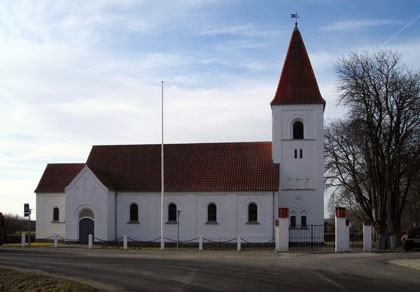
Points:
x=297 y=83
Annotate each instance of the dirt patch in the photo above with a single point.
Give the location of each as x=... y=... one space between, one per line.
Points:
x=11 y=280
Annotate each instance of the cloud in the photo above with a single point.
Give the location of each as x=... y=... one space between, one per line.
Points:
x=90 y=22
x=248 y=29
x=358 y=24
x=234 y=29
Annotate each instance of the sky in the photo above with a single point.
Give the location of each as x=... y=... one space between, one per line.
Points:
x=79 y=73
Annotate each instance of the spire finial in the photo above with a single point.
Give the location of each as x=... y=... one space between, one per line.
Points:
x=296 y=16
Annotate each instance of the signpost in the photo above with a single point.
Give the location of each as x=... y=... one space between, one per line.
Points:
x=27 y=213
x=177 y=214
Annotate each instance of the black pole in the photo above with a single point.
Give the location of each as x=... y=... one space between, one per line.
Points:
x=177 y=241
x=29 y=230
x=312 y=237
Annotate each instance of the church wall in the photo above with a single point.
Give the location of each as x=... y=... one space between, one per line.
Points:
x=86 y=192
x=45 y=204
x=231 y=215
x=309 y=203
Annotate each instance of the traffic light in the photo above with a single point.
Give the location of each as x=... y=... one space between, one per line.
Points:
x=26 y=210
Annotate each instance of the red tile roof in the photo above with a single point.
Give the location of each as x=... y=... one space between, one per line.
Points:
x=57 y=177
x=103 y=177
x=297 y=83
x=244 y=166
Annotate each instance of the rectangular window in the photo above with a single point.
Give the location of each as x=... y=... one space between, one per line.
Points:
x=303 y=221
x=301 y=153
x=293 y=221
x=295 y=153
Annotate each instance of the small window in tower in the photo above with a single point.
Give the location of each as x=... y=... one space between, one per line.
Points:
x=303 y=221
x=289 y=183
x=292 y=221
x=301 y=153
x=307 y=183
x=298 y=130
x=295 y=153
x=299 y=183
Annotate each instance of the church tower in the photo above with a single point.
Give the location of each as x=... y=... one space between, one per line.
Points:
x=297 y=117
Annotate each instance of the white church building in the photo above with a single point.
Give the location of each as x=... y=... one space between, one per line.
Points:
x=223 y=190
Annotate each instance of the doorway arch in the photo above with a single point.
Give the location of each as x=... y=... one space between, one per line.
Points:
x=86 y=225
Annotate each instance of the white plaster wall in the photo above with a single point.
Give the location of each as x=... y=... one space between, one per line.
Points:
x=309 y=203
x=111 y=215
x=45 y=204
x=232 y=215
x=301 y=179
x=86 y=191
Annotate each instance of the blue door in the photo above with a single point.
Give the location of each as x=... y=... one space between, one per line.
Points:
x=86 y=227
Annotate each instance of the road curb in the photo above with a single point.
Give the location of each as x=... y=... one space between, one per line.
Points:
x=412 y=264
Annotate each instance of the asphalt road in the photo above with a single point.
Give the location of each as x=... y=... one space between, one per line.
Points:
x=113 y=270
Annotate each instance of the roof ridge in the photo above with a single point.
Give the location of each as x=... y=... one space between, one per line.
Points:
x=66 y=163
x=192 y=143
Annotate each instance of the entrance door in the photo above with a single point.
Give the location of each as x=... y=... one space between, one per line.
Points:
x=86 y=227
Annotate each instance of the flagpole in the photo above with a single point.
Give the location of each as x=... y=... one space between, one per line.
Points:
x=162 y=238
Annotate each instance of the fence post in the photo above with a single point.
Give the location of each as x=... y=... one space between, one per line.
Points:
x=367 y=235
x=277 y=236
x=283 y=229
x=23 y=239
x=238 y=243
x=312 y=237
x=90 y=241
x=200 y=243
x=55 y=240
x=125 y=242
x=340 y=229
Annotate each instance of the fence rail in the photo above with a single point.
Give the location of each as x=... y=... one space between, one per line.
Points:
x=311 y=238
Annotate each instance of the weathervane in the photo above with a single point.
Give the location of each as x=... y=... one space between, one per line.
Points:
x=295 y=15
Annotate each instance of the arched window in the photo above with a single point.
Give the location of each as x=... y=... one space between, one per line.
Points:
x=172 y=212
x=86 y=213
x=293 y=221
x=252 y=212
x=134 y=213
x=298 y=183
x=307 y=183
x=211 y=213
x=298 y=130
x=303 y=221
x=56 y=214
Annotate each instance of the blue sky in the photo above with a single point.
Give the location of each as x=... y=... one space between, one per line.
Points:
x=79 y=73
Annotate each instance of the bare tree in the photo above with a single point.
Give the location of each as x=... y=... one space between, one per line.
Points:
x=372 y=156
x=411 y=216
